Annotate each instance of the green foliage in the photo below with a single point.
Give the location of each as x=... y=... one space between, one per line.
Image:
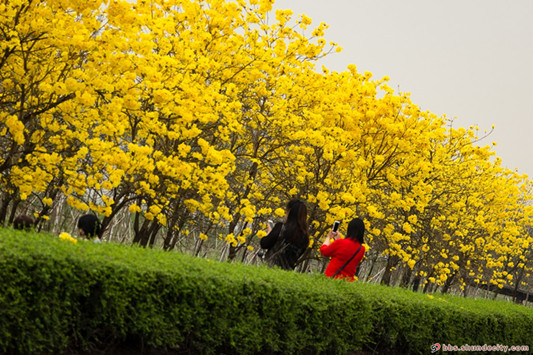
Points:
x=62 y=296
x=411 y=322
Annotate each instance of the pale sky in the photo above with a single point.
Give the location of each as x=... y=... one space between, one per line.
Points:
x=467 y=59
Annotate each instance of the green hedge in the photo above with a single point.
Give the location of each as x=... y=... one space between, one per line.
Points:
x=57 y=296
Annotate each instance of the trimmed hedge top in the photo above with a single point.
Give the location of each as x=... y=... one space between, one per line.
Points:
x=63 y=296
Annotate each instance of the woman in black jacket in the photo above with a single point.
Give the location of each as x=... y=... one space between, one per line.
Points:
x=286 y=242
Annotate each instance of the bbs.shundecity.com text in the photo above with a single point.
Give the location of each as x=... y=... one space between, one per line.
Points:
x=498 y=347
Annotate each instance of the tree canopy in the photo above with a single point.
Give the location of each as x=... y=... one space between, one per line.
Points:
x=201 y=118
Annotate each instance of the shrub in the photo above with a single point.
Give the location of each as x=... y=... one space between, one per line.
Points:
x=58 y=296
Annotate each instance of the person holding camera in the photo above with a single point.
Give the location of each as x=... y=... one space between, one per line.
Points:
x=286 y=242
x=345 y=254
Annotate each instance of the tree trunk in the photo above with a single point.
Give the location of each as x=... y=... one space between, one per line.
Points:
x=234 y=250
x=305 y=260
x=387 y=274
x=232 y=254
x=448 y=283
x=516 y=298
x=154 y=230
x=141 y=234
x=428 y=287
x=416 y=283
x=172 y=234
x=13 y=211
x=406 y=277
x=198 y=247
x=117 y=207
x=3 y=208
x=374 y=260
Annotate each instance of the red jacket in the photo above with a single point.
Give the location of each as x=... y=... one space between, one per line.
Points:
x=340 y=251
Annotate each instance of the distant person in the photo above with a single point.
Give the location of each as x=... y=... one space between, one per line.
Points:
x=345 y=254
x=286 y=242
x=23 y=222
x=89 y=227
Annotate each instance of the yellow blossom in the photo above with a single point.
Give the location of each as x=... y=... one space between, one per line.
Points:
x=67 y=237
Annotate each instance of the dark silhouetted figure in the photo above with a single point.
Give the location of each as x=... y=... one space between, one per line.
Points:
x=89 y=226
x=286 y=242
x=23 y=222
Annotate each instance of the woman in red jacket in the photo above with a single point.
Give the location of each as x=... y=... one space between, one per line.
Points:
x=346 y=253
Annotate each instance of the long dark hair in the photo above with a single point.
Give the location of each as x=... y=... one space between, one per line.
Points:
x=296 y=224
x=356 y=230
x=90 y=225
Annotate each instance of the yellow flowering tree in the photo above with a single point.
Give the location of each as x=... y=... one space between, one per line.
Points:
x=193 y=119
x=43 y=48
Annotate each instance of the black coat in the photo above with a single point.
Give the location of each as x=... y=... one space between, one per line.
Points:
x=281 y=252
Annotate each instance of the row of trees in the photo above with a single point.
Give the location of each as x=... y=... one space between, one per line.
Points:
x=198 y=120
